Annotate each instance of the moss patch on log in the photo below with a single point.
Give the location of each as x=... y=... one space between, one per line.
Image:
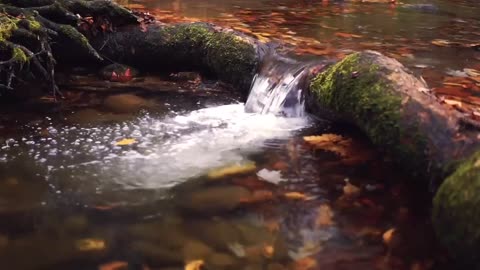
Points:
x=456 y=212
x=358 y=90
x=191 y=46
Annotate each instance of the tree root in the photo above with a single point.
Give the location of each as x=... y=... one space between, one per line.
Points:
x=32 y=32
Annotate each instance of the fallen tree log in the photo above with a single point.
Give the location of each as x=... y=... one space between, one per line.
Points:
x=230 y=56
x=428 y=140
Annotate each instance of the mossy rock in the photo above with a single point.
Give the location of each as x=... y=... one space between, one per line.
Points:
x=456 y=213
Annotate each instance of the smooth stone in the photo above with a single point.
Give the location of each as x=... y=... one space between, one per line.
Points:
x=126 y=103
x=214 y=199
x=217 y=234
x=169 y=235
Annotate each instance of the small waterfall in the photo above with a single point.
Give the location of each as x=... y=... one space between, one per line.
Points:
x=278 y=88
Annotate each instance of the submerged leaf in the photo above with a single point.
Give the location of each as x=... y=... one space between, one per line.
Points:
x=90 y=244
x=330 y=142
x=116 y=265
x=194 y=265
x=232 y=170
x=125 y=142
x=296 y=196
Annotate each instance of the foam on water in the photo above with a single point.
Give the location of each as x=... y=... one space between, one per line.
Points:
x=168 y=151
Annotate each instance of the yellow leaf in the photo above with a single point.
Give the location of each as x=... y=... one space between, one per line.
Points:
x=388 y=236
x=116 y=265
x=194 y=265
x=295 y=196
x=330 y=142
x=125 y=142
x=90 y=244
x=268 y=251
x=231 y=170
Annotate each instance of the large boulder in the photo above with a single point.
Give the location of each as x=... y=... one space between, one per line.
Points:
x=456 y=213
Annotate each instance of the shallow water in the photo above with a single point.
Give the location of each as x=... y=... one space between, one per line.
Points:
x=208 y=182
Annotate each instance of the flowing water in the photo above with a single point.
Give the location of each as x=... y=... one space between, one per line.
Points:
x=198 y=177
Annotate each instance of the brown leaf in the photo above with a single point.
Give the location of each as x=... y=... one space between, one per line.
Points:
x=324 y=216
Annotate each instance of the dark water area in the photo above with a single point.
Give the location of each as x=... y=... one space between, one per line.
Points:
x=165 y=174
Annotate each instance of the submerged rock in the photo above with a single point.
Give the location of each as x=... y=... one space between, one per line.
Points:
x=126 y=103
x=213 y=199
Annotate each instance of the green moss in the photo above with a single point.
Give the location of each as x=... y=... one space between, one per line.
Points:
x=72 y=34
x=7 y=26
x=19 y=55
x=456 y=212
x=34 y=25
x=227 y=55
x=356 y=90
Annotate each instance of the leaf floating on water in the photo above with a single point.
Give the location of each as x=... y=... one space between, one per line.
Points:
x=232 y=170
x=274 y=177
x=90 y=244
x=125 y=142
x=296 y=196
x=194 y=265
x=347 y=35
x=116 y=265
x=330 y=142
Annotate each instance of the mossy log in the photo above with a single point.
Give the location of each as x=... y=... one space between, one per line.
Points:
x=230 y=56
x=395 y=110
x=403 y=119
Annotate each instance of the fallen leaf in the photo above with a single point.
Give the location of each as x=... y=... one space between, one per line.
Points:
x=258 y=196
x=452 y=102
x=330 y=142
x=125 y=142
x=347 y=35
x=274 y=177
x=231 y=170
x=268 y=251
x=388 y=236
x=324 y=216
x=304 y=264
x=116 y=265
x=295 y=196
x=90 y=244
x=194 y=265
x=349 y=189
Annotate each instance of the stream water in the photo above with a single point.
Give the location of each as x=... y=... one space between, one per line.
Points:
x=188 y=175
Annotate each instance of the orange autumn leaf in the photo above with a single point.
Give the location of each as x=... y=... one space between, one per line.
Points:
x=330 y=142
x=347 y=35
x=306 y=263
x=388 y=236
x=116 y=265
x=296 y=196
x=125 y=142
x=194 y=265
